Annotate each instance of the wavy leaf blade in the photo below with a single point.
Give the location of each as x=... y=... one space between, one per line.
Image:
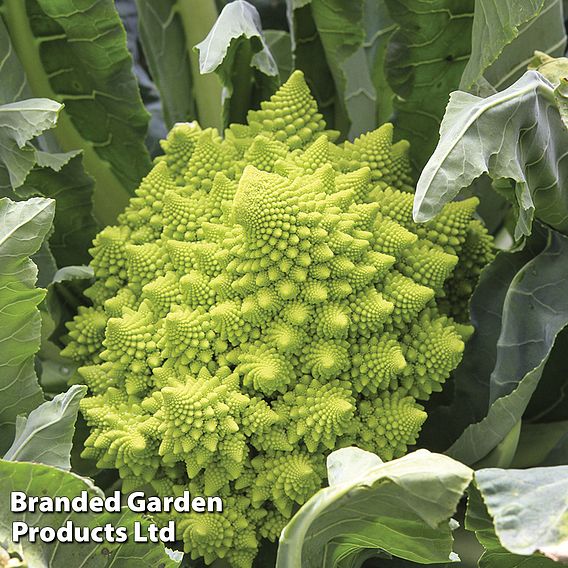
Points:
x=401 y=507
x=540 y=520
x=495 y=554
x=75 y=53
x=20 y=122
x=23 y=227
x=517 y=134
x=425 y=60
x=535 y=310
x=39 y=479
x=46 y=434
x=505 y=35
x=235 y=49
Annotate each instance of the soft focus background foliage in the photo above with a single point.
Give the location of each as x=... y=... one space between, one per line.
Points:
x=87 y=90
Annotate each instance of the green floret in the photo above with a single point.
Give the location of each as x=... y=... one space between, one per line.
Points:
x=264 y=299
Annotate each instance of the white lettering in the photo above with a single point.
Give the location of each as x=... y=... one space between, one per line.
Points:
x=138 y=537
x=96 y=504
x=18 y=502
x=136 y=502
x=112 y=503
x=18 y=529
x=168 y=533
x=217 y=501
x=198 y=504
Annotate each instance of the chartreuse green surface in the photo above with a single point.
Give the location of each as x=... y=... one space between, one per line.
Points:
x=264 y=299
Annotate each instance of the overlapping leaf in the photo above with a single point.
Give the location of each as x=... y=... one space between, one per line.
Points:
x=495 y=554
x=280 y=46
x=517 y=134
x=20 y=122
x=168 y=31
x=333 y=43
x=471 y=380
x=379 y=28
x=23 y=227
x=36 y=479
x=401 y=508
x=38 y=172
x=310 y=57
x=74 y=52
x=150 y=96
x=343 y=33
x=534 y=311
x=46 y=434
x=529 y=509
x=74 y=226
x=504 y=37
x=235 y=49
x=426 y=58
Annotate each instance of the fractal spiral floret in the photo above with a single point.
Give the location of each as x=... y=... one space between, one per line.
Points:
x=265 y=299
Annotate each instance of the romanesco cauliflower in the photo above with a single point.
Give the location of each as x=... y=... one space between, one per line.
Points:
x=264 y=299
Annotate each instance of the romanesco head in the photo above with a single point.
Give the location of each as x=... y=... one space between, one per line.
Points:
x=264 y=299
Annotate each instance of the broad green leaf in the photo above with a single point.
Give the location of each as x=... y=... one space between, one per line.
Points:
x=20 y=122
x=342 y=29
x=168 y=31
x=74 y=52
x=505 y=35
x=341 y=34
x=379 y=28
x=529 y=508
x=74 y=226
x=38 y=479
x=471 y=380
x=64 y=295
x=559 y=453
x=45 y=436
x=495 y=555
x=14 y=86
x=157 y=130
x=516 y=134
x=425 y=60
x=310 y=57
x=402 y=507
x=235 y=49
x=23 y=227
x=555 y=69
x=53 y=174
x=549 y=402
x=535 y=310
x=280 y=45
x=541 y=444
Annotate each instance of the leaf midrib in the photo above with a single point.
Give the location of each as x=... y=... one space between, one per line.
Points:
x=26 y=46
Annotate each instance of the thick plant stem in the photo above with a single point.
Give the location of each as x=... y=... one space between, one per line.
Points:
x=198 y=17
x=110 y=196
x=242 y=84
